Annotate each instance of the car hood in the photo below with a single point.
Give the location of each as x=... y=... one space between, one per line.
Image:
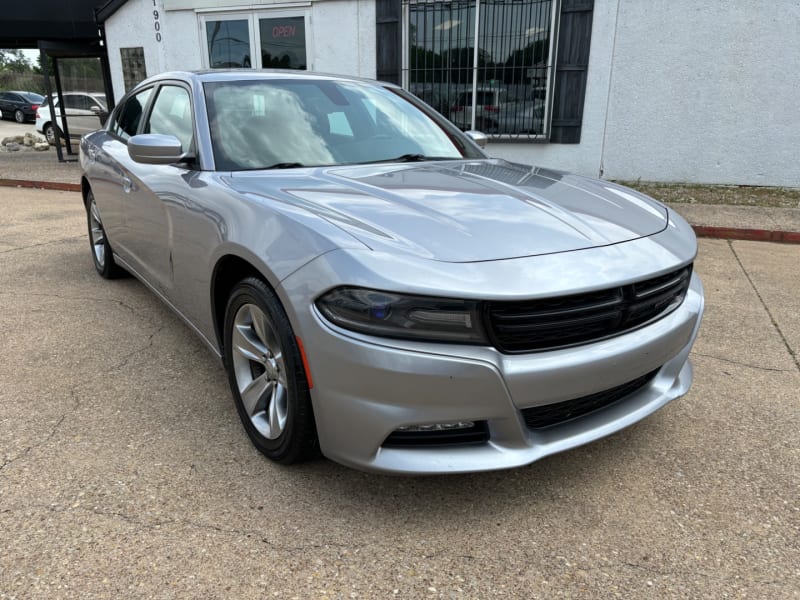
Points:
x=463 y=211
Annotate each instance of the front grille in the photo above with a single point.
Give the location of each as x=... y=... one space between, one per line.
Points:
x=477 y=434
x=549 y=323
x=539 y=417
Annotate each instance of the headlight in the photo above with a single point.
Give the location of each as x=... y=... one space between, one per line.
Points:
x=401 y=316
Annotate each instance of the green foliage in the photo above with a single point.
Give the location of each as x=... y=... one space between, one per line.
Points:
x=14 y=61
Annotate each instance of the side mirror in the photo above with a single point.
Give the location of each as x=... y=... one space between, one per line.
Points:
x=155 y=149
x=96 y=109
x=478 y=137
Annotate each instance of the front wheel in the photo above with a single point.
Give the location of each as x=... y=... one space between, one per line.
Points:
x=266 y=375
x=19 y=116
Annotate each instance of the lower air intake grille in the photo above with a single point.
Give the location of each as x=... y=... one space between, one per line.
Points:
x=477 y=434
x=549 y=323
x=539 y=417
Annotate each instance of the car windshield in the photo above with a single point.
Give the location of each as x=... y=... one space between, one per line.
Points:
x=101 y=99
x=294 y=123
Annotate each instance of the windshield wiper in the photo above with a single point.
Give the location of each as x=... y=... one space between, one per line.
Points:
x=410 y=158
x=284 y=165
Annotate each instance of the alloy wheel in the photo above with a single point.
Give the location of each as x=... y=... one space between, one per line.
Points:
x=260 y=371
x=98 y=235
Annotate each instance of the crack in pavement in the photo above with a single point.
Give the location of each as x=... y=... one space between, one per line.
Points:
x=18 y=248
x=777 y=327
x=743 y=364
x=148 y=345
x=250 y=533
x=137 y=312
x=260 y=536
x=40 y=444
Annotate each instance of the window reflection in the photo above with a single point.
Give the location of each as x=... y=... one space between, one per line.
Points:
x=283 y=43
x=128 y=117
x=255 y=124
x=228 y=44
x=508 y=68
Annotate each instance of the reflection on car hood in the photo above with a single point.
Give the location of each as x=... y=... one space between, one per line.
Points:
x=464 y=211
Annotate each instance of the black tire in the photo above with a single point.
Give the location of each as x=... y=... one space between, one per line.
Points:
x=19 y=116
x=50 y=134
x=102 y=255
x=285 y=387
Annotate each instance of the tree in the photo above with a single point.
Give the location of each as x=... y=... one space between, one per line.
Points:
x=14 y=61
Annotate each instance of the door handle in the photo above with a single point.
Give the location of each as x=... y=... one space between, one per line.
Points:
x=127 y=185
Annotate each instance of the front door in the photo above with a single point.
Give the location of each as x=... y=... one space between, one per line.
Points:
x=159 y=192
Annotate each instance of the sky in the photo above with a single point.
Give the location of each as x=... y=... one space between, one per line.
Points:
x=31 y=55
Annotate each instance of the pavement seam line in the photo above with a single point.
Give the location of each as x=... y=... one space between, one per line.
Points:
x=18 y=248
x=766 y=308
x=743 y=364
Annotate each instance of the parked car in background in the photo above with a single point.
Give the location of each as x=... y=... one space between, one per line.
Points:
x=85 y=112
x=497 y=113
x=376 y=286
x=20 y=106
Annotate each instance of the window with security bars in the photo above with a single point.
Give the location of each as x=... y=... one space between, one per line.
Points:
x=484 y=64
x=133 y=67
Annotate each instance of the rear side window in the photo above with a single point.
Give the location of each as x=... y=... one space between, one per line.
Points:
x=126 y=120
x=76 y=101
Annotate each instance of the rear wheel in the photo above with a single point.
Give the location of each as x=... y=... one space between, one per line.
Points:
x=50 y=134
x=266 y=375
x=19 y=116
x=102 y=256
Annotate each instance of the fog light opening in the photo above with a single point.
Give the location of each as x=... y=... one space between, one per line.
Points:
x=438 y=426
x=439 y=434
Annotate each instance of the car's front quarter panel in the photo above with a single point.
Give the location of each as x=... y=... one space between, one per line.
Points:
x=375 y=385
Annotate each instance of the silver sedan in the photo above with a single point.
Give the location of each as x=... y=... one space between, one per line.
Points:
x=376 y=287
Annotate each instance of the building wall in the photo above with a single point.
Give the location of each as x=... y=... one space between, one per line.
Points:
x=341 y=32
x=129 y=27
x=701 y=92
x=706 y=92
x=677 y=91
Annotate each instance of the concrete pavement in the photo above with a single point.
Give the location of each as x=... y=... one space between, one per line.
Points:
x=124 y=471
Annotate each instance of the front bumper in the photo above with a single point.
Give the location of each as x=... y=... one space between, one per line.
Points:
x=365 y=388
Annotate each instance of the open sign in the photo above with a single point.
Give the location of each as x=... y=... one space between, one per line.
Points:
x=284 y=31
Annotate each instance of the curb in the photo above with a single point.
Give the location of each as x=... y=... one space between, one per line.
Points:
x=701 y=231
x=42 y=185
x=751 y=235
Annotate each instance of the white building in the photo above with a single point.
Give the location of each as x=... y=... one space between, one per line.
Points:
x=679 y=91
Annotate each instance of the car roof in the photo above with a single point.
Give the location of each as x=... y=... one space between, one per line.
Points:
x=216 y=75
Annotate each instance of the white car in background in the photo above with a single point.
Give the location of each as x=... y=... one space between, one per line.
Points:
x=85 y=112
